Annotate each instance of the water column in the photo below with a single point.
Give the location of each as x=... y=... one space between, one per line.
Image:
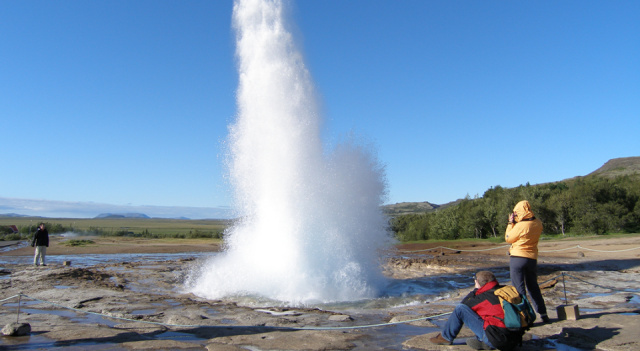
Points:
x=310 y=225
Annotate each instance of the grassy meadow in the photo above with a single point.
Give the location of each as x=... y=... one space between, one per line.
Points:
x=134 y=227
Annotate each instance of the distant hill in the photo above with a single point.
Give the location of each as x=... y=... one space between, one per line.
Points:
x=409 y=207
x=619 y=167
x=12 y=215
x=613 y=168
x=414 y=207
x=122 y=215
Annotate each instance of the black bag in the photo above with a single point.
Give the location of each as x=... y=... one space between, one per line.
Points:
x=504 y=339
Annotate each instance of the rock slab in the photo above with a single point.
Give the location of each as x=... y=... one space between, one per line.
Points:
x=16 y=329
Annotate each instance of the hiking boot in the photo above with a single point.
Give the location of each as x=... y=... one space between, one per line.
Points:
x=545 y=319
x=477 y=344
x=439 y=340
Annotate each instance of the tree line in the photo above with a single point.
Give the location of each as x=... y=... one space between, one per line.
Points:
x=585 y=205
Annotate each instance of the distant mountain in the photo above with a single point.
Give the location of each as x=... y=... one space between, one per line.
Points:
x=12 y=215
x=122 y=215
x=619 y=167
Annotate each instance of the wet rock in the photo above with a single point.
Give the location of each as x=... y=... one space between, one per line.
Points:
x=16 y=329
x=120 y=315
x=340 y=318
x=601 y=300
x=160 y=345
x=224 y=347
x=419 y=342
x=549 y=284
x=185 y=319
x=418 y=323
x=81 y=304
x=422 y=342
x=278 y=311
x=307 y=340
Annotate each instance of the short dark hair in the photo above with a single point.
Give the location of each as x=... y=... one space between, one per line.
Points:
x=483 y=277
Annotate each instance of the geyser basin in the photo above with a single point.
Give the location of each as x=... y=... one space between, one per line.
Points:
x=312 y=226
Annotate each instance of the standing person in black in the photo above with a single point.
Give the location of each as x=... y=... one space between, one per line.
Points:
x=40 y=242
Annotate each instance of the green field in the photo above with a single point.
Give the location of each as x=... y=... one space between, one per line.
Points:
x=143 y=227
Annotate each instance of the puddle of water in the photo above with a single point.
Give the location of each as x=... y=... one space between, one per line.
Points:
x=209 y=311
x=392 y=337
x=174 y=335
x=13 y=245
x=145 y=312
x=64 y=287
x=90 y=318
x=563 y=347
x=87 y=260
x=595 y=294
x=61 y=313
x=589 y=310
x=22 y=303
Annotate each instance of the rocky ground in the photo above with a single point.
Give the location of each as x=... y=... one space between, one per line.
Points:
x=115 y=306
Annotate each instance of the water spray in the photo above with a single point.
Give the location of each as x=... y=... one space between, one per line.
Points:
x=312 y=225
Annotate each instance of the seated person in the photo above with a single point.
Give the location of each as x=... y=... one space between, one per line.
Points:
x=481 y=312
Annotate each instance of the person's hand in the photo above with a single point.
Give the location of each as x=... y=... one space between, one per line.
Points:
x=512 y=217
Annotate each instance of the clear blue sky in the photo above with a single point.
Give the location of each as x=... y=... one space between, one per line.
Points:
x=128 y=102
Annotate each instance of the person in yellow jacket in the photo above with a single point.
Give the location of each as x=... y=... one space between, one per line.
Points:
x=523 y=233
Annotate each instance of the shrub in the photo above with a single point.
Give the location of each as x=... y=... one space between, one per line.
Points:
x=76 y=242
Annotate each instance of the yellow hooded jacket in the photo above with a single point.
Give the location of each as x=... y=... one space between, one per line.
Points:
x=524 y=234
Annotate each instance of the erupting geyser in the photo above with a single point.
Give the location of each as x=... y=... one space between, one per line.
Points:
x=311 y=225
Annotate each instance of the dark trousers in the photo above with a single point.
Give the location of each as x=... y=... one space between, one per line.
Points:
x=524 y=276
